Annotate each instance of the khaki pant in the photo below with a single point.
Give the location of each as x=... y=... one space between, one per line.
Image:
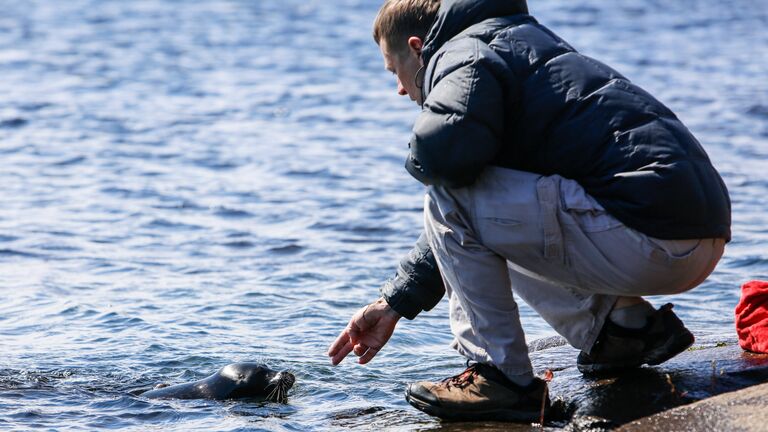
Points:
x=546 y=240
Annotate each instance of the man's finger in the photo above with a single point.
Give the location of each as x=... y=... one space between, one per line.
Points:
x=339 y=343
x=368 y=355
x=341 y=353
x=360 y=349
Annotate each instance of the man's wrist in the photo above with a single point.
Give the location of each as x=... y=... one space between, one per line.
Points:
x=382 y=303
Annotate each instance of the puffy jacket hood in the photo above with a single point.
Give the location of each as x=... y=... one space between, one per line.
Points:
x=456 y=15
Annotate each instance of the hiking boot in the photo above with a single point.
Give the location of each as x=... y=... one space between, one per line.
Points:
x=663 y=337
x=481 y=392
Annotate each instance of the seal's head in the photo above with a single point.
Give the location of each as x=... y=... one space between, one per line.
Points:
x=234 y=381
x=257 y=380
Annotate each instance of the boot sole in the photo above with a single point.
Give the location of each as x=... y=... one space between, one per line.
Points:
x=505 y=415
x=672 y=347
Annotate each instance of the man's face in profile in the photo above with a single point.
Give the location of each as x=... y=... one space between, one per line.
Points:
x=405 y=64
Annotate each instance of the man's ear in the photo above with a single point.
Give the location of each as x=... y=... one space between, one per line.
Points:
x=415 y=44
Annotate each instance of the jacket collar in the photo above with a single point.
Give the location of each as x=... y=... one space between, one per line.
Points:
x=456 y=15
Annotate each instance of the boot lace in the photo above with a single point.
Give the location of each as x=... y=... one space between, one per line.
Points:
x=463 y=379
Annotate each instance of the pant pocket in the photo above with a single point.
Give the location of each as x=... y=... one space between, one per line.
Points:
x=549 y=199
x=670 y=252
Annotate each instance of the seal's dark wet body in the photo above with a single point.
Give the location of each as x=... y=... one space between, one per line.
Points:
x=234 y=381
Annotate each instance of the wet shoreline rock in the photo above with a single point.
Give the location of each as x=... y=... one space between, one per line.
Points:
x=711 y=367
x=741 y=410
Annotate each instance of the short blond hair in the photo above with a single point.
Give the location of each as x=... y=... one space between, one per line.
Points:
x=398 y=20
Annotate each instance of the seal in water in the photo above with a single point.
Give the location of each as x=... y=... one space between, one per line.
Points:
x=234 y=381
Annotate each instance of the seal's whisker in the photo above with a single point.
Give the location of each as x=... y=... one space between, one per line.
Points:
x=272 y=393
x=282 y=392
x=278 y=396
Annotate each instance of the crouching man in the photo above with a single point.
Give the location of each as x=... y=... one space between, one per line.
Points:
x=551 y=176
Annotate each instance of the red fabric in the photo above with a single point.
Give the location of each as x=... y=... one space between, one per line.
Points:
x=752 y=317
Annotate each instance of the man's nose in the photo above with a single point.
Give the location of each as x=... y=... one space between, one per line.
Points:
x=400 y=89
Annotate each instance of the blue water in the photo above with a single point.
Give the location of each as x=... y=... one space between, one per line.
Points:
x=189 y=184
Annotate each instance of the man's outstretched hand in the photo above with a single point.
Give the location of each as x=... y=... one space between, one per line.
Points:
x=367 y=332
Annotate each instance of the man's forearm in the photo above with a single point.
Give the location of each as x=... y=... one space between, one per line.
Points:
x=417 y=285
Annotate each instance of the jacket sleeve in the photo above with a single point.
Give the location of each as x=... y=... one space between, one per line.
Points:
x=459 y=129
x=417 y=285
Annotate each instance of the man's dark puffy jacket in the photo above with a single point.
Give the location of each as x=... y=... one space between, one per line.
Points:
x=501 y=89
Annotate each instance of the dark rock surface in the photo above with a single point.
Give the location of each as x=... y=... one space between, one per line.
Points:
x=709 y=368
x=741 y=410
